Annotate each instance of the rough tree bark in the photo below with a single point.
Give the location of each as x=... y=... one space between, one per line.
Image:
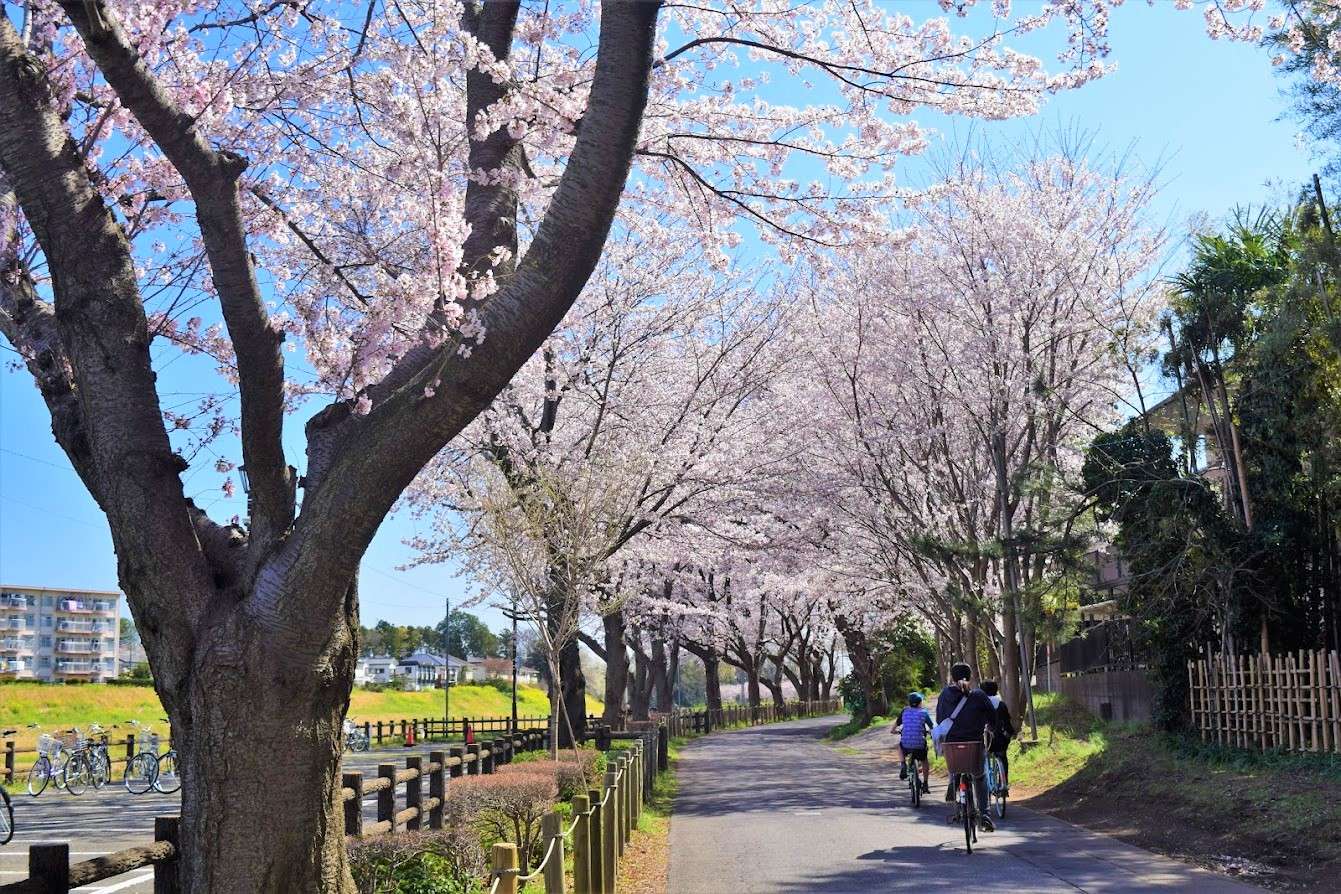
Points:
x=865 y=666
x=250 y=632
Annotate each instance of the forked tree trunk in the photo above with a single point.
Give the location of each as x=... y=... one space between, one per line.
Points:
x=712 y=671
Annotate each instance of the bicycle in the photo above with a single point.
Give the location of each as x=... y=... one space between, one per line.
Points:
x=6 y=805
x=52 y=756
x=89 y=763
x=356 y=737
x=996 y=784
x=142 y=769
x=915 y=782
x=167 y=780
x=964 y=760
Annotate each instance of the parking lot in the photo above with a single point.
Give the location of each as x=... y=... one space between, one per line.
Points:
x=98 y=823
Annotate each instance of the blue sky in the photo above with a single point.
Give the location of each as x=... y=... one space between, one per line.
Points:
x=1209 y=111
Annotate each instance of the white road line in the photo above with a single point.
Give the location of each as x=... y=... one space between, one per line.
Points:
x=119 y=886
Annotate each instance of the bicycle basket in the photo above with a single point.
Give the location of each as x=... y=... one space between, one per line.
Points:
x=963 y=757
x=47 y=744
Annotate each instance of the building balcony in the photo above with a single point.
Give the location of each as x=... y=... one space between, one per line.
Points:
x=10 y=600
x=77 y=667
x=14 y=666
x=13 y=624
x=84 y=606
x=77 y=646
x=15 y=645
x=65 y=626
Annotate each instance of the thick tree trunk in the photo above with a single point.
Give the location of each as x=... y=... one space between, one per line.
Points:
x=752 y=685
x=640 y=689
x=260 y=777
x=616 y=667
x=712 y=670
x=574 y=695
x=865 y=667
x=665 y=663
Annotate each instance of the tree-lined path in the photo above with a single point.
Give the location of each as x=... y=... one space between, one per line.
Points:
x=773 y=809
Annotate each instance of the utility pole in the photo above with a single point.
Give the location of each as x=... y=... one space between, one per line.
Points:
x=514 y=661
x=447 y=682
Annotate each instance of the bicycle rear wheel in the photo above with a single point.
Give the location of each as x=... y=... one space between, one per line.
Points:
x=100 y=768
x=915 y=785
x=970 y=833
x=38 y=775
x=167 y=781
x=140 y=773
x=6 y=817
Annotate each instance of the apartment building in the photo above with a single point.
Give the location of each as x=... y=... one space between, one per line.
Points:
x=56 y=635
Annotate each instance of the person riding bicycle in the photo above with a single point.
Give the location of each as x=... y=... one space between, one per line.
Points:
x=1002 y=732
x=912 y=728
x=977 y=715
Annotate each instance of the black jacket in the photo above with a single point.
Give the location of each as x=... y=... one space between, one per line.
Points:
x=1004 y=728
x=978 y=714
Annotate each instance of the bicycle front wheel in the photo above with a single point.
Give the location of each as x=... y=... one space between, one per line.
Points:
x=38 y=775
x=100 y=769
x=140 y=773
x=76 y=774
x=6 y=817
x=167 y=781
x=916 y=787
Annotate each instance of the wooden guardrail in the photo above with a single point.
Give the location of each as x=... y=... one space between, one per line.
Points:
x=603 y=820
x=1291 y=701
x=50 y=870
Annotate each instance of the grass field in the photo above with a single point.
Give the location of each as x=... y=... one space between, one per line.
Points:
x=61 y=707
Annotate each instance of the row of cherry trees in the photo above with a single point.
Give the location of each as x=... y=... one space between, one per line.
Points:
x=216 y=215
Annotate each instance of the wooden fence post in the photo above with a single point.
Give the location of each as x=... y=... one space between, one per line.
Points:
x=505 y=867
x=367 y=730
x=596 y=844
x=379 y=732
x=488 y=753
x=414 y=792
x=167 y=874
x=386 y=798
x=581 y=845
x=663 y=748
x=473 y=759
x=437 y=787
x=551 y=832
x=130 y=748
x=9 y=760
x=49 y=864
x=459 y=753
x=354 y=806
x=609 y=834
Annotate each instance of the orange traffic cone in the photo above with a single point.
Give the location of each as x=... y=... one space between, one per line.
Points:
x=470 y=734
x=409 y=736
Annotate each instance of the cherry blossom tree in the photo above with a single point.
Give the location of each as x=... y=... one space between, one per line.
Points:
x=409 y=196
x=965 y=370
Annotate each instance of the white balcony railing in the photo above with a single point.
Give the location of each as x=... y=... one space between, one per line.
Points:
x=85 y=606
x=14 y=644
x=76 y=646
x=10 y=600
x=12 y=667
x=13 y=624
x=76 y=667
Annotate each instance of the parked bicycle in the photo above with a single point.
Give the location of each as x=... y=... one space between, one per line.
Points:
x=53 y=753
x=356 y=737
x=142 y=769
x=6 y=805
x=89 y=762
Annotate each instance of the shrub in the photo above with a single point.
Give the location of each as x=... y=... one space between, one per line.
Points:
x=450 y=861
x=506 y=806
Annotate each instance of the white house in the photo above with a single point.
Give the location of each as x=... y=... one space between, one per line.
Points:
x=377 y=669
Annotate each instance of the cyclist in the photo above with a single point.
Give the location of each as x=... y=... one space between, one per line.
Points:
x=912 y=728
x=978 y=714
x=1002 y=732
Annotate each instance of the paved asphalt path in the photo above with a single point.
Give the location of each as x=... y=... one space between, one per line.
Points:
x=98 y=823
x=773 y=810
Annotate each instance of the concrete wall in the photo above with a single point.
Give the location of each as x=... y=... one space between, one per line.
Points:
x=1128 y=694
